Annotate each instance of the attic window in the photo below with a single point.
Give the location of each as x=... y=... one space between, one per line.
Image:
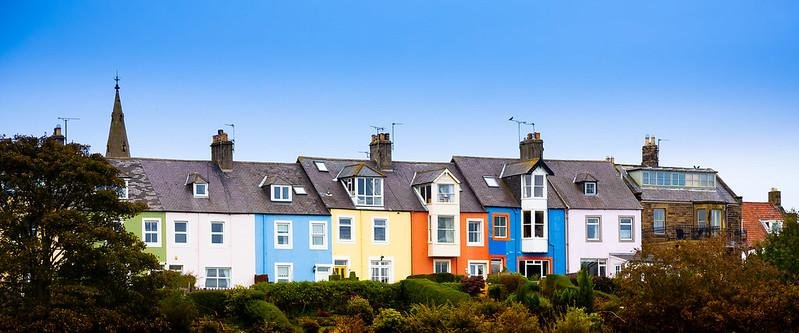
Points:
x=320 y=166
x=589 y=188
x=491 y=181
x=200 y=190
x=122 y=192
x=772 y=226
x=281 y=193
x=300 y=190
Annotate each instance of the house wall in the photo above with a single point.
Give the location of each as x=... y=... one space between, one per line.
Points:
x=504 y=248
x=684 y=214
x=556 y=220
x=134 y=225
x=303 y=258
x=363 y=249
x=609 y=242
x=421 y=263
x=237 y=250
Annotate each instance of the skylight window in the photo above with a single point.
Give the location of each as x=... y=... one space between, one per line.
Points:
x=300 y=190
x=491 y=181
x=320 y=166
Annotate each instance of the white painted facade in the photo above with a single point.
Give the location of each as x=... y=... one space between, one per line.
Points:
x=580 y=247
x=533 y=243
x=448 y=208
x=236 y=251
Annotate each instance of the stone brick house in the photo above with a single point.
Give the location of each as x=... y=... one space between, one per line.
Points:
x=682 y=203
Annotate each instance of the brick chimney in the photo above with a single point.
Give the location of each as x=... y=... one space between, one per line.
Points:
x=775 y=197
x=649 y=153
x=531 y=147
x=380 y=150
x=57 y=136
x=222 y=151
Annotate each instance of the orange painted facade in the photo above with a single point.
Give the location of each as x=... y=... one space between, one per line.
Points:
x=421 y=263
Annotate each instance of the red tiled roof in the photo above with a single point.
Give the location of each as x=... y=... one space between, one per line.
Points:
x=752 y=214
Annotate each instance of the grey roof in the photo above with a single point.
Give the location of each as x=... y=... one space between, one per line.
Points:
x=721 y=193
x=398 y=192
x=425 y=177
x=161 y=183
x=195 y=178
x=522 y=167
x=474 y=169
x=612 y=192
x=358 y=170
x=583 y=177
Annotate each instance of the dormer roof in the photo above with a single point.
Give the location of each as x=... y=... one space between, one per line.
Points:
x=431 y=176
x=273 y=180
x=358 y=170
x=523 y=167
x=195 y=178
x=584 y=177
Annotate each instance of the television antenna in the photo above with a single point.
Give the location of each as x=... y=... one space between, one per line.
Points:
x=519 y=126
x=378 y=129
x=365 y=152
x=392 y=133
x=66 y=124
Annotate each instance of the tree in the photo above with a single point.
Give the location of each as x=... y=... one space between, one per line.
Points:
x=585 y=294
x=782 y=249
x=704 y=286
x=66 y=262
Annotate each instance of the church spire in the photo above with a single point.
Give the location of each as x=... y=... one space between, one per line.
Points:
x=117 y=146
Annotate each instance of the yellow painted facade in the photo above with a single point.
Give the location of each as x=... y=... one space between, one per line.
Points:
x=363 y=249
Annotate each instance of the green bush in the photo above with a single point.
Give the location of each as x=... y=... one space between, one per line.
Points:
x=577 y=321
x=424 y=291
x=497 y=292
x=266 y=314
x=445 y=318
x=515 y=318
x=210 y=302
x=438 y=277
x=562 y=299
x=585 y=291
x=359 y=306
x=389 y=321
x=309 y=325
x=454 y=285
x=297 y=298
x=509 y=282
x=554 y=282
x=178 y=311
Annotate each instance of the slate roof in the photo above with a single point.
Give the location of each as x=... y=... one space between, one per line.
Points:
x=751 y=215
x=612 y=193
x=161 y=183
x=425 y=177
x=474 y=169
x=358 y=170
x=583 y=177
x=521 y=167
x=722 y=192
x=398 y=192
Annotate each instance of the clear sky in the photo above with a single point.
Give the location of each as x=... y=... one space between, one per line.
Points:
x=718 y=79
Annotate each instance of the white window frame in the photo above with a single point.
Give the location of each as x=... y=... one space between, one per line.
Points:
x=542 y=223
x=290 y=276
x=197 y=185
x=541 y=262
x=655 y=229
x=387 y=262
x=491 y=181
x=217 y=278
x=632 y=228
x=157 y=231
x=320 y=166
x=442 y=261
x=480 y=235
x=374 y=219
x=773 y=226
x=506 y=218
x=354 y=187
x=536 y=186
x=445 y=197
x=491 y=262
x=601 y=262
x=311 y=235
x=284 y=189
x=598 y=224
x=587 y=186
x=346 y=266
x=439 y=229
x=213 y=233
x=351 y=226
x=484 y=263
x=290 y=235
x=527 y=186
x=175 y=233
x=122 y=194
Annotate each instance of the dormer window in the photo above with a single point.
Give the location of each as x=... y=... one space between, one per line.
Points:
x=532 y=186
x=281 y=193
x=426 y=193
x=200 y=190
x=446 y=193
x=589 y=188
x=364 y=184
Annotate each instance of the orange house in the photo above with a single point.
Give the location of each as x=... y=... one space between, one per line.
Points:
x=474 y=253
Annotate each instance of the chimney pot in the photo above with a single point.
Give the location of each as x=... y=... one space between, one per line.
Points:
x=531 y=147
x=649 y=153
x=57 y=135
x=380 y=150
x=222 y=151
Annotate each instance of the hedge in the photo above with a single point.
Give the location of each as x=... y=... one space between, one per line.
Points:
x=438 y=277
x=307 y=297
x=423 y=291
x=210 y=302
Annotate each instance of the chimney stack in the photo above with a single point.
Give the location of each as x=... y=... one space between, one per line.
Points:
x=775 y=197
x=531 y=147
x=380 y=150
x=57 y=136
x=649 y=153
x=222 y=151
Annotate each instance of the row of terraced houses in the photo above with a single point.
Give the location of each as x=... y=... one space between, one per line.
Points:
x=230 y=222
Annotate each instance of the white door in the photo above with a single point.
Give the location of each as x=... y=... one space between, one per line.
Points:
x=322 y=272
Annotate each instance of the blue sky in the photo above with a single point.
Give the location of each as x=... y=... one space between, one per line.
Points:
x=718 y=79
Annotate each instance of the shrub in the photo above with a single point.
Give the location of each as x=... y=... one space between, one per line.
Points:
x=554 y=282
x=350 y=325
x=585 y=291
x=309 y=325
x=428 y=292
x=577 y=321
x=359 y=306
x=209 y=324
x=353 y=277
x=210 y=302
x=178 y=311
x=309 y=297
x=454 y=285
x=473 y=285
x=562 y=299
x=515 y=318
x=438 y=277
x=497 y=292
x=177 y=281
x=604 y=284
x=390 y=321
x=266 y=314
